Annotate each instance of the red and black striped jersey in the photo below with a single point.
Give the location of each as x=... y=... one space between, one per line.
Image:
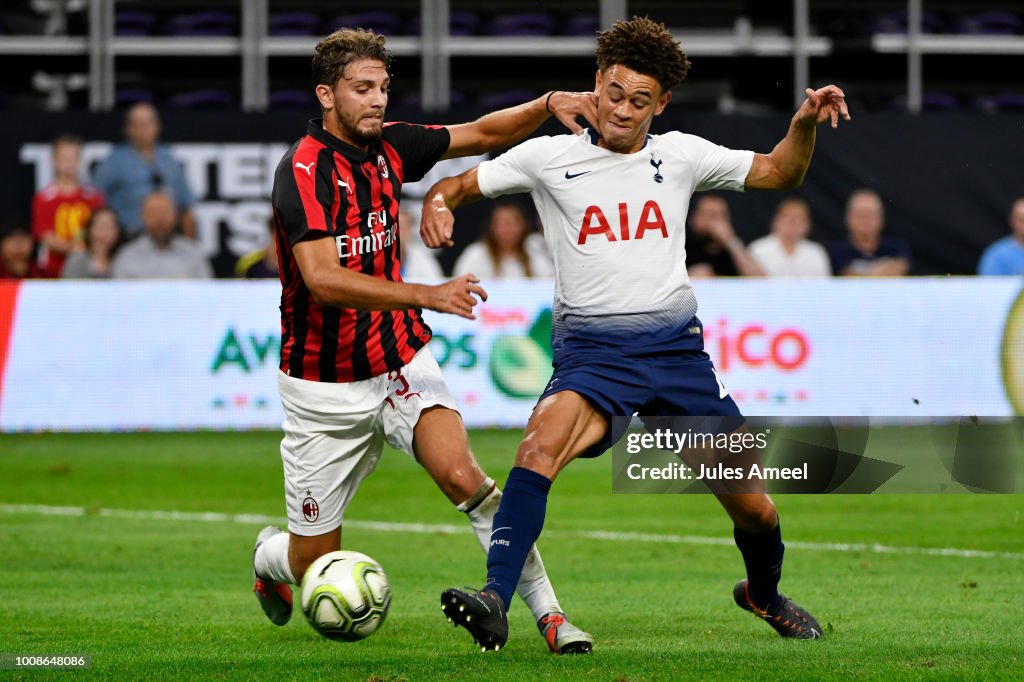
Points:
x=326 y=188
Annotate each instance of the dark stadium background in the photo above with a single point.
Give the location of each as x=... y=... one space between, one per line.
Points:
x=960 y=144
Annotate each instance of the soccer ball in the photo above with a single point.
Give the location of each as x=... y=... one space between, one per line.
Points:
x=345 y=596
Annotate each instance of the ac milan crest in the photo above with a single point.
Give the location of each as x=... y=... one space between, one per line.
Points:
x=310 y=509
x=382 y=166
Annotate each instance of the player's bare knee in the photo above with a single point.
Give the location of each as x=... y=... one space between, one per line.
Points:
x=769 y=514
x=760 y=514
x=461 y=481
x=535 y=457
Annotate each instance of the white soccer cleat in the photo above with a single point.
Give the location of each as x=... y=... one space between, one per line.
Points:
x=275 y=598
x=562 y=636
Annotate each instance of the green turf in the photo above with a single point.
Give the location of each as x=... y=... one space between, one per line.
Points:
x=160 y=599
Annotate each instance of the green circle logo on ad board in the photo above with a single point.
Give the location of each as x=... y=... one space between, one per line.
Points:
x=1013 y=355
x=520 y=366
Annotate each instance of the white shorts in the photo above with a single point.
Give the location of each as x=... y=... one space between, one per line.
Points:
x=334 y=435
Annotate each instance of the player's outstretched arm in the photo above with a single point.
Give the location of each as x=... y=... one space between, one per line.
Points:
x=785 y=167
x=506 y=127
x=437 y=221
x=331 y=284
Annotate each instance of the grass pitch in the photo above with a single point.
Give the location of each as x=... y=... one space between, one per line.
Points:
x=168 y=597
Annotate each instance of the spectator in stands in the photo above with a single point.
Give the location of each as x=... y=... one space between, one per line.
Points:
x=787 y=252
x=139 y=167
x=866 y=252
x=539 y=252
x=62 y=208
x=159 y=253
x=261 y=263
x=16 y=246
x=1006 y=256
x=418 y=262
x=502 y=253
x=712 y=247
x=102 y=238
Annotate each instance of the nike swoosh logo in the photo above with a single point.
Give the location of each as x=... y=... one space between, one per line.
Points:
x=481 y=602
x=570 y=176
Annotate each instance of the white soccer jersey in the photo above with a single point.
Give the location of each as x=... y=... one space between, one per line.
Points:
x=616 y=223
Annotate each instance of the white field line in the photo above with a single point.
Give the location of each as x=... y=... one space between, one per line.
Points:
x=447 y=529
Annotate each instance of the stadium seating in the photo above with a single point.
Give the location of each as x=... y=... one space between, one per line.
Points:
x=582 y=25
x=460 y=23
x=989 y=23
x=463 y=23
x=860 y=34
x=203 y=99
x=930 y=101
x=203 y=24
x=134 y=23
x=1007 y=101
x=507 y=98
x=291 y=99
x=128 y=97
x=412 y=100
x=896 y=22
x=528 y=24
x=386 y=23
x=293 y=24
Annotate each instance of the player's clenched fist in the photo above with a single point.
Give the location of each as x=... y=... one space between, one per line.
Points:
x=458 y=296
x=437 y=223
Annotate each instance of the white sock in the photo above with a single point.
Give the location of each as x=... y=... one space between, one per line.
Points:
x=534 y=587
x=271 y=559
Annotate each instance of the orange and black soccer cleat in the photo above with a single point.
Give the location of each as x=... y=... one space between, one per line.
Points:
x=786 y=616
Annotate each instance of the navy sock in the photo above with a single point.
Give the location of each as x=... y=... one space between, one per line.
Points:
x=517 y=526
x=762 y=555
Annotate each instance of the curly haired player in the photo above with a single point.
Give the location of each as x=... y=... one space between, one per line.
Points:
x=625 y=333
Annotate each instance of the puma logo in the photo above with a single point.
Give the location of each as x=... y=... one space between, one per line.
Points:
x=342 y=183
x=306 y=167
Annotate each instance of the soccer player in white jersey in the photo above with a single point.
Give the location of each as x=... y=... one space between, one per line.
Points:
x=613 y=203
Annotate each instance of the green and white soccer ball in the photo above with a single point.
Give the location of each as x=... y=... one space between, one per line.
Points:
x=345 y=596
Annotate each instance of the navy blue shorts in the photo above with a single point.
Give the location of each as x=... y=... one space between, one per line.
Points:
x=623 y=380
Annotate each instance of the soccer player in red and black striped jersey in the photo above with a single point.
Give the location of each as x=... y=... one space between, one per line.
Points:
x=355 y=367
